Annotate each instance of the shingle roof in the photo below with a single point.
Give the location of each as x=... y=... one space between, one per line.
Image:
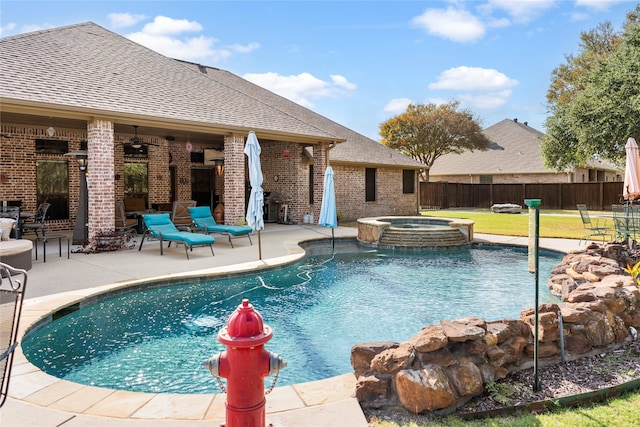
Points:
x=85 y=67
x=88 y=67
x=515 y=149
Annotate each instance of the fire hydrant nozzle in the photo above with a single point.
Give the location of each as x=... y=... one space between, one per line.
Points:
x=276 y=364
x=244 y=364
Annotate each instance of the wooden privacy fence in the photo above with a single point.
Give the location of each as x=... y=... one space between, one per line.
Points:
x=596 y=195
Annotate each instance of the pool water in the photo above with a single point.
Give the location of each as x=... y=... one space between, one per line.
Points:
x=156 y=340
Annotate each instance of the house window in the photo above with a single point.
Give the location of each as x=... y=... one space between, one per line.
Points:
x=370 y=184
x=408 y=181
x=136 y=182
x=486 y=179
x=310 y=184
x=52 y=186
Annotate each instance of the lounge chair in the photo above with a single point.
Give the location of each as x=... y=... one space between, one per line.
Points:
x=204 y=221
x=160 y=227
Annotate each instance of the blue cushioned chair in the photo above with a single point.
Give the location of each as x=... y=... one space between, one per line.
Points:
x=161 y=227
x=204 y=221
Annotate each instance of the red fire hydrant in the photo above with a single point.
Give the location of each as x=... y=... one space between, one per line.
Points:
x=244 y=364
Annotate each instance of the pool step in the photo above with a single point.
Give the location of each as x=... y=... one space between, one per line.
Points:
x=416 y=238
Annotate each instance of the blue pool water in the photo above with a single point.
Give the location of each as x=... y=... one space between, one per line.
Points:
x=156 y=340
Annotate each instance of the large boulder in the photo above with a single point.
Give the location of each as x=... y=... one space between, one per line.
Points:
x=373 y=391
x=429 y=339
x=393 y=360
x=362 y=354
x=426 y=389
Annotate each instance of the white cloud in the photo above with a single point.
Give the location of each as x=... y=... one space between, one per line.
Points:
x=165 y=35
x=122 y=20
x=600 y=5
x=452 y=23
x=520 y=10
x=484 y=101
x=397 y=105
x=244 y=49
x=163 y=25
x=342 y=81
x=476 y=87
x=7 y=29
x=472 y=78
x=303 y=87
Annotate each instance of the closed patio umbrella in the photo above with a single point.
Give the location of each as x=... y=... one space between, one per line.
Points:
x=328 y=215
x=255 y=210
x=631 y=188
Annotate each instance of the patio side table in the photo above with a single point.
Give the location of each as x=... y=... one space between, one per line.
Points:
x=48 y=237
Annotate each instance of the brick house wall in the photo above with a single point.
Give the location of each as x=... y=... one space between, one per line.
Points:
x=18 y=175
x=18 y=161
x=390 y=200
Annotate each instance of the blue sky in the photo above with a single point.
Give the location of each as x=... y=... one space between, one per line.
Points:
x=358 y=62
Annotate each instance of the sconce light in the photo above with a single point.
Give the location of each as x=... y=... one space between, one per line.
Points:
x=286 y=154
x=219 y=164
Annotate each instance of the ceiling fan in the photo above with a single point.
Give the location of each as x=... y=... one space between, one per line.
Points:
x=136 y=142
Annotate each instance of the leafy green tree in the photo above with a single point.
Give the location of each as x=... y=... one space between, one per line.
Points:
x=428 y=131
x=594 y=99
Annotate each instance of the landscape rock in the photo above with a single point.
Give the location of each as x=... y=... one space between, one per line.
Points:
x=427 y=389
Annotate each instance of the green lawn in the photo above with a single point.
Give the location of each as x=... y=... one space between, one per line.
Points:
x=623 y=411
x=553 y=223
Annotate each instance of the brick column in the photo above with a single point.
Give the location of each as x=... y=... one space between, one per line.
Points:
x=100 y=179
x=234 y=178
x=320 y=163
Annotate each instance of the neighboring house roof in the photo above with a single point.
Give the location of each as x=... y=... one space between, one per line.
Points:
x=514 y=149
x=85 y=69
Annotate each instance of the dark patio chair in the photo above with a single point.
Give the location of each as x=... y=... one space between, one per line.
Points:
x=38 y=220
x=124 y=224
x=13 y=282
x=594 y=229
x=180 y=214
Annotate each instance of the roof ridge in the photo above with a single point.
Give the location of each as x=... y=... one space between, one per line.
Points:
x=48 y=30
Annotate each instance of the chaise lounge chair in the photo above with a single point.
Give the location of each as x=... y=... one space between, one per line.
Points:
x=161 y=227
x=203 y=220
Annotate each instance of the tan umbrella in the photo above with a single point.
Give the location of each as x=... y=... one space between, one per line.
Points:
x=631 y=190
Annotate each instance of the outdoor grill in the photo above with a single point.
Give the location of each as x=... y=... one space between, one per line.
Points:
x=272 y=203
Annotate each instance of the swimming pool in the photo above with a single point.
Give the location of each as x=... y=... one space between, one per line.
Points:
x=156 y=340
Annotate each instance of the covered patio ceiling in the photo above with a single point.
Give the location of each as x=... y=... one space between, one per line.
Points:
x=120 y=128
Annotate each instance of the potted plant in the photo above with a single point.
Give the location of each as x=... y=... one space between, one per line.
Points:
x=108 y=241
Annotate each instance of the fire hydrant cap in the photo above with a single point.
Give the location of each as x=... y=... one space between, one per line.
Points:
x=245 y=328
